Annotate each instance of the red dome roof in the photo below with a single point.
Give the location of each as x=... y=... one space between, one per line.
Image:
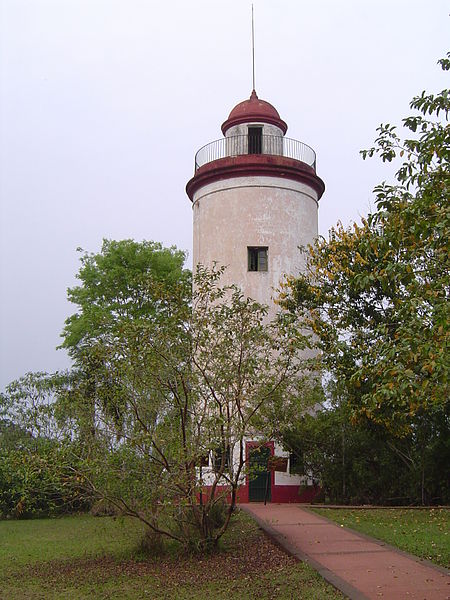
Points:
x=254 y=110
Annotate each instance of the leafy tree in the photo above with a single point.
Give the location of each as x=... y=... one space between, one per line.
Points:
x=363 y=463
x=197 y=384
x=40 y=481
x=115 y=287
x=44 y=415
x=121 y=284
x=11 y=434
x=37 y=459
x=28 y=407
x=176 y=394
x=376 y=294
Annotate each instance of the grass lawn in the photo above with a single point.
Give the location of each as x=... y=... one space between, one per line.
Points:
x=97 y=558
x=424 y=533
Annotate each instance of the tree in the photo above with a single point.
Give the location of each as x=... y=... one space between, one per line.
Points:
x=37 y=457
x=50 y=419
x=176 y=394
x=363 y=463
x=190 y=387
x=119 y=285
x=376 y=295
x=115 y=288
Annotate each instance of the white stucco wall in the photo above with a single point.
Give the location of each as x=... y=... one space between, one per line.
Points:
x=232 y=214
x=237 y=139
x=242 y=129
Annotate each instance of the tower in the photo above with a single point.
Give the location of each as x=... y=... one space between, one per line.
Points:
x=255 y=197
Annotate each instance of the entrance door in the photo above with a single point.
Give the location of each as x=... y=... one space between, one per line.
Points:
x=255 y=140
x=259 y=477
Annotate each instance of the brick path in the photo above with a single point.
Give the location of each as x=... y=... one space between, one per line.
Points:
x=361 y=567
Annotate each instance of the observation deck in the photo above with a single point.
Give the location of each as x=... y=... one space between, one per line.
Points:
x=271 y=145
x=262 y=155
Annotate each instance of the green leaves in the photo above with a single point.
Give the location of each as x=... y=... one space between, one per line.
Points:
x=157 y=387
x=376 y=294
x=122 y=282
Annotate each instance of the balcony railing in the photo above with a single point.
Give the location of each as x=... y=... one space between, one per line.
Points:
x=237 y=145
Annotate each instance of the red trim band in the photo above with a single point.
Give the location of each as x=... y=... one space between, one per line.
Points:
x=246 y=165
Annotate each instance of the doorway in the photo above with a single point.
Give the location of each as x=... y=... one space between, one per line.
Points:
x=255 y=140
x=260 y=479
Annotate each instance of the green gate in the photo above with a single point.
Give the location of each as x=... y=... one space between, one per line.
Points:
x=259 y=485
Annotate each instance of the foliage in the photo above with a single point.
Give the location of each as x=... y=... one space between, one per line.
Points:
x=37 y=469
x=121 y=285
x=118 y=284
x=38 y=483
x=48 y=420
x=12 y=435
x=156 y=404
x=362 y=463
x=376 y=295
x=423 y=532
x=29 y=409
x=186 y=388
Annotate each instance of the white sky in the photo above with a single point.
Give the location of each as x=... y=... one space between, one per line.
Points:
x=105 y=102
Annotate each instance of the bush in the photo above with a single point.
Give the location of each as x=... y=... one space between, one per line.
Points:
x=38 y=483
x=362 y=463
x=104 y=508
x=152 y=543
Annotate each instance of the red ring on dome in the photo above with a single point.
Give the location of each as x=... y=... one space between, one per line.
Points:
x=254 y=110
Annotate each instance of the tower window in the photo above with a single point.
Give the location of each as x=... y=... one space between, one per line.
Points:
x=257 y=258
x=255 y=140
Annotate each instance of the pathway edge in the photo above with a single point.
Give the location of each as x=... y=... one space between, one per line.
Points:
x=369 y=538
x=280 y=540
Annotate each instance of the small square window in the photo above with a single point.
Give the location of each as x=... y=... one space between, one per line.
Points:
x=257 y=258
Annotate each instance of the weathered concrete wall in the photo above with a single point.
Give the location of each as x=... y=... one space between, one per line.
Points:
x=242 y=129
x=232 y=214
x=237 y=139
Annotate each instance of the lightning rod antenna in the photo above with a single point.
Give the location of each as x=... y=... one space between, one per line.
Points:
x=253 y=48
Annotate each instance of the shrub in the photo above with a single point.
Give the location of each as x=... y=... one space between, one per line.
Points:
x=38 y=483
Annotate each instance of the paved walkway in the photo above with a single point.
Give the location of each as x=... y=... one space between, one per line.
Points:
x=361 y=567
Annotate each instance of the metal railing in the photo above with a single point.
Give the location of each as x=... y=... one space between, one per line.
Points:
x=237 y=145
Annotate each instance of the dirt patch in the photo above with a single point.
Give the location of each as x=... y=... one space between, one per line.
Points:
x=250 y=556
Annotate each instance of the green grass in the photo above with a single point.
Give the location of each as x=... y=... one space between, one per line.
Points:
x=42 y=540
x=88 y=557
x=424 y=533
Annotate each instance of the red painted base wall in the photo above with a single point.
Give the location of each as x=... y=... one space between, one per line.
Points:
x=290 y=493
x=283 y=494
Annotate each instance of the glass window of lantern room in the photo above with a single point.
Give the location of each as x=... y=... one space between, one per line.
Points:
x=255 y=140
x=257 y=258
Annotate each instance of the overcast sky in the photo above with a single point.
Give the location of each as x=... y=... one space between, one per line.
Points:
x=105 y=102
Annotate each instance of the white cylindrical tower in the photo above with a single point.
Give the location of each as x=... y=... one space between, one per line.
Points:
x=255 y=200
x=255 y=197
